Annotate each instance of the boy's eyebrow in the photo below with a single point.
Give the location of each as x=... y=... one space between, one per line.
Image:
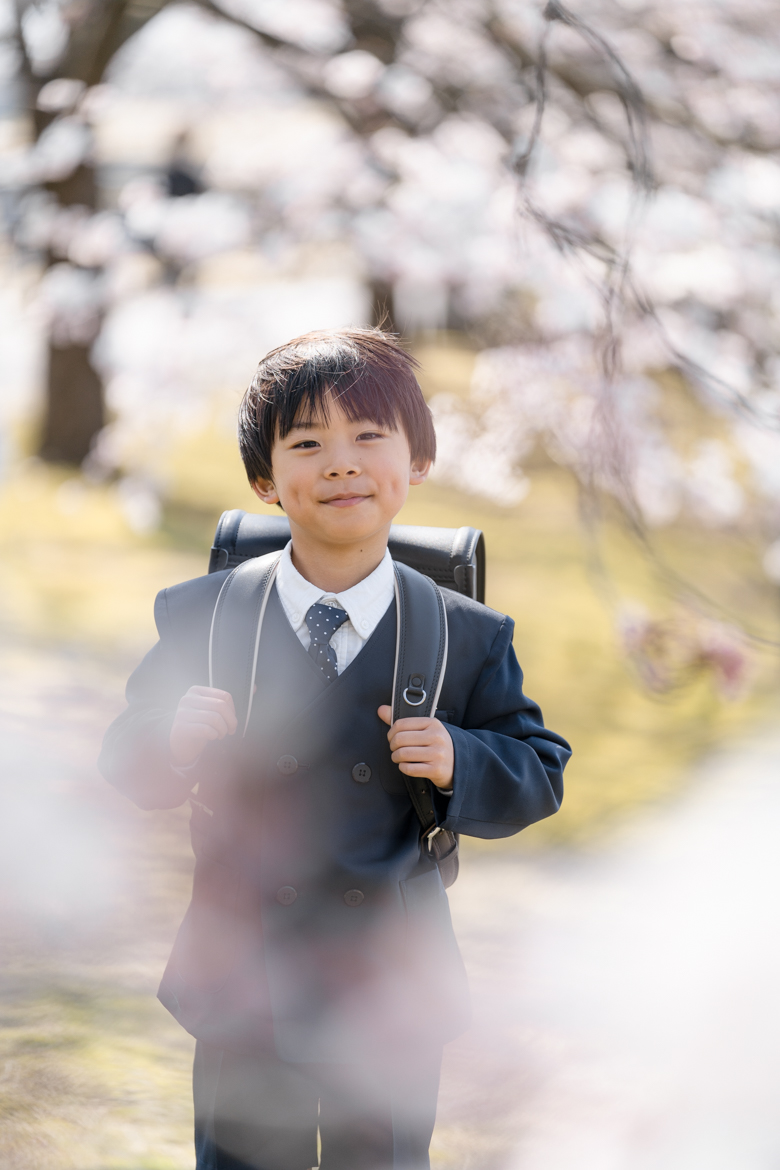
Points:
x=310 y=424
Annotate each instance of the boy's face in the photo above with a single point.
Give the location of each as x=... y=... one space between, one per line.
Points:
x=341 y=482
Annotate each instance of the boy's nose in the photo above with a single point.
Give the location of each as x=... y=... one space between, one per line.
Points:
x=341 y=472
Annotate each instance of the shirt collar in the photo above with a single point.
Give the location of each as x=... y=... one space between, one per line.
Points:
x=365 y=602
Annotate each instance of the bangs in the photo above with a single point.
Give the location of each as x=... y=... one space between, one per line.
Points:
x=360 y=398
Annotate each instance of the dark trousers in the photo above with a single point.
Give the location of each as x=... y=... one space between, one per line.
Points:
x=259 y=1113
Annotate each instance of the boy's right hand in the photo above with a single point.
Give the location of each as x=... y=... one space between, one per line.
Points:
x=203 y=714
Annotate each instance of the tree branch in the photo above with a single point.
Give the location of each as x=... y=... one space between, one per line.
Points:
x=302 y=64
x=269 y=39
x=101 y=30
x=28 y=73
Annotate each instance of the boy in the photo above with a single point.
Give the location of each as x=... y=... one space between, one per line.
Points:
x=316 y=965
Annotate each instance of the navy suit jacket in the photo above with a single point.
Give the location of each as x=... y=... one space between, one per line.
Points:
x=317 y=922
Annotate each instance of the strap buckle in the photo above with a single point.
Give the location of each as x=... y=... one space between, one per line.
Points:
x=430 y=835
x=416 y=688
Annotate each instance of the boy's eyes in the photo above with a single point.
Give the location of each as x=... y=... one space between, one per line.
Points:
x=309 y=444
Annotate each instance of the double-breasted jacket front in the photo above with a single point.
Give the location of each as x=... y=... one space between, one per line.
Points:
x=317 y=921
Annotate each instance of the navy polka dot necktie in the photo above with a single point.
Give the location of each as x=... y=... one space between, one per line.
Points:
x=323 y=621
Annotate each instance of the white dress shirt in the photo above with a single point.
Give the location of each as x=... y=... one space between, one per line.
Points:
x=366 y=603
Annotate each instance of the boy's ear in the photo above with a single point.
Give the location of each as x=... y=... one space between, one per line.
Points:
x=419 y=472
x=265 y=491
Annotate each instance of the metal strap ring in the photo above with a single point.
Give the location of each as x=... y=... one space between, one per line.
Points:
x=415 y=702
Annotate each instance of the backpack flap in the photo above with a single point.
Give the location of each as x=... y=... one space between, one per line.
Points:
x=240 y=536
x=452 y=557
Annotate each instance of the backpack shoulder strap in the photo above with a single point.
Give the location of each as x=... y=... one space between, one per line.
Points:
x=236 y=624
x=420 y=663
x=421 y=644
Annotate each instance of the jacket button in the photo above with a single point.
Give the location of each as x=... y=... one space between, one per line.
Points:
x=361 y=773
x=354 y=897
x=287 y=765
x=287 y=895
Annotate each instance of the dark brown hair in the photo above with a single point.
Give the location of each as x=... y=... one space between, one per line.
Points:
x=365 y=370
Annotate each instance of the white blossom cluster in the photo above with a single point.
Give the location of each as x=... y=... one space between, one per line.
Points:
x=701 y=292
x=678 y=264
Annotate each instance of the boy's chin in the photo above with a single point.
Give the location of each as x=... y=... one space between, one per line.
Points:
x=346 y=525
x=349 y=533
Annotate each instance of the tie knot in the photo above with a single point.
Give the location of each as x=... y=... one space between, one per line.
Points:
x=323 y=621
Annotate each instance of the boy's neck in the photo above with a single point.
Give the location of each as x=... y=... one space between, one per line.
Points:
x=335 y=568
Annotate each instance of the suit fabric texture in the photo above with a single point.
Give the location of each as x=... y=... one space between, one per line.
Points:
x=319 y=929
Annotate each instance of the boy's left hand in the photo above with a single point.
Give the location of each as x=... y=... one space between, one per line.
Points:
x=421 y=747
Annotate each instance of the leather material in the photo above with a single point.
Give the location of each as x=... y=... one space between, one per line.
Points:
x=235 y=631
x=420 y=663
x=421 y=654
x=452 y=557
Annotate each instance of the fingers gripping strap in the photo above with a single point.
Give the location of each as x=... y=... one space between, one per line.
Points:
x=240 y=608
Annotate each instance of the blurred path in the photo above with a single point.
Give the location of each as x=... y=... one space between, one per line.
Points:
x=626 y=1010
x=632 y=999
x=93 y=1072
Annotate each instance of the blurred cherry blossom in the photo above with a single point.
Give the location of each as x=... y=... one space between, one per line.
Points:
x=668 y=652
x=591 y=195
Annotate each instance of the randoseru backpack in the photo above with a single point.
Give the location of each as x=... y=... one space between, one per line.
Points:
x=454 y=558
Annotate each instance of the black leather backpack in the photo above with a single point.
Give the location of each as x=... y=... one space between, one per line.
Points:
x=453 y=558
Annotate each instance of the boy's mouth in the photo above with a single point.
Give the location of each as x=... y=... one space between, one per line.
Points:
x=345 y=500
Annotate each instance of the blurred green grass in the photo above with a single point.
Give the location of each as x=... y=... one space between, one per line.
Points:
x=80 y=1066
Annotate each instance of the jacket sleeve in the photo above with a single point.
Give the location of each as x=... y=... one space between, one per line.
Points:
x=508 y=765
x=135 y=756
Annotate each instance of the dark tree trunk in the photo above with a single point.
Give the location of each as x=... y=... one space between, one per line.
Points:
x=80 y=188
x=74 y=405
x=74 y=392
x=74 y=396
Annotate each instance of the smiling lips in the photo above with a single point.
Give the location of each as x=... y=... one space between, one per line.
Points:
x=344 y=501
